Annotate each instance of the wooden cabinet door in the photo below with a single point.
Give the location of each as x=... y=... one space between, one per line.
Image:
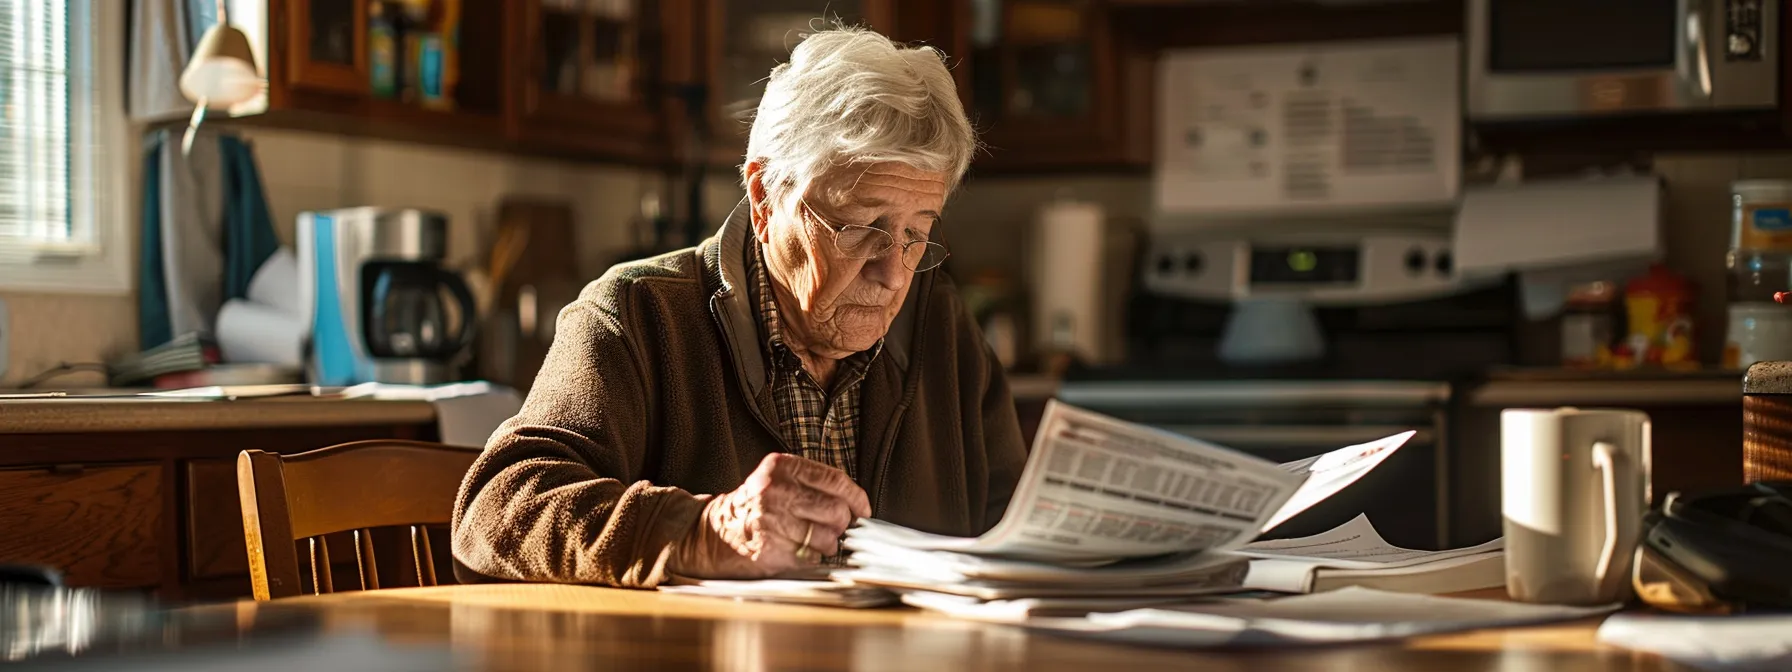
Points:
x=99 y=525
x=1048 y=86
x=325 y=45
x=745 y=39
x=586 y=75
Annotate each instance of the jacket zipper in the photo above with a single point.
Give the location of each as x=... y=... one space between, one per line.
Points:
x=909 y=383
x=752 y=400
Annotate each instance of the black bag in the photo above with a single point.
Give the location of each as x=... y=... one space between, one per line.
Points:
x=1722 y=552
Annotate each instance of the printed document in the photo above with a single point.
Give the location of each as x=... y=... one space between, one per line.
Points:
x=1098 y=489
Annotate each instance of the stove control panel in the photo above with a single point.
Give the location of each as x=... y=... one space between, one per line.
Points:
x=1368 y=269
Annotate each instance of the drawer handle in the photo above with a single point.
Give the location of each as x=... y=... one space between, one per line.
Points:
x=68 y=469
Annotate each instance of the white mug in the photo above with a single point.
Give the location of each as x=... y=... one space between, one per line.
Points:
x=1574 y=488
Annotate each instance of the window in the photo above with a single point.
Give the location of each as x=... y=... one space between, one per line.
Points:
x=63 y=155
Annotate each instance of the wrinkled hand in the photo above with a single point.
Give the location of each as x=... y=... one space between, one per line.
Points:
x=756 y=530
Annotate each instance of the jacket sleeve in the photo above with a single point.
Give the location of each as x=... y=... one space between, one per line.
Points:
x=557 y=494
x=1006 y=451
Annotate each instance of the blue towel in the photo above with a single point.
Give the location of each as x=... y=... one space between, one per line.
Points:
x=155 y=326
x=249 y=237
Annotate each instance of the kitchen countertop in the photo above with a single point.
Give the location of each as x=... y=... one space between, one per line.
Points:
x=1554 y=387
x=1032 y=386
x=75 y=414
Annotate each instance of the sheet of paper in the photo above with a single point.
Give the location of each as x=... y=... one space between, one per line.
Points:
x=235 y=391
x=1355 y=545
x=946 y=566
x=1729 y=643
x=789 y=591
x=1016 y=610
x=1096 y=487
x=1325 y=475
x=1349 y=614
x=1227 y=582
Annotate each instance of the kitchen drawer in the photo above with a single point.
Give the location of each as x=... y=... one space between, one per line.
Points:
x=214 y=521
x=100 y=525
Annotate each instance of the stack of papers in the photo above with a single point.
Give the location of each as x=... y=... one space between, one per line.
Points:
x=1354 y=554
x=1347 y=615
x=1111 y=510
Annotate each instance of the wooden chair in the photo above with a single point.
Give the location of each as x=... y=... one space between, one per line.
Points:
x=351 y=487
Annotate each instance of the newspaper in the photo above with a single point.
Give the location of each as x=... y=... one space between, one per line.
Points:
x=1096 y=488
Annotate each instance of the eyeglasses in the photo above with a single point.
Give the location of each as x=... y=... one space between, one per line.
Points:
x=870 y=242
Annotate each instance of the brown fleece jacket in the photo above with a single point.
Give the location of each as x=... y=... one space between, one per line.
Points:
x=654 y=396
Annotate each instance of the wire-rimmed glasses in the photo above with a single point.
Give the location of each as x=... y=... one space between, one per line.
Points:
x=870 y=242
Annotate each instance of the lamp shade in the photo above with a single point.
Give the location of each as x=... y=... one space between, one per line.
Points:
x=222 y=71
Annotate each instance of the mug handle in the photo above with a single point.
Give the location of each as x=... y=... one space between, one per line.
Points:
x=1605 y=458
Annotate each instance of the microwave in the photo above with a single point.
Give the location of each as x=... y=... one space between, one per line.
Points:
x=1542 y=59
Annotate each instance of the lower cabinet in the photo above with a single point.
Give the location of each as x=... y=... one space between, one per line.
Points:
x=155 y=510
x=101 y=525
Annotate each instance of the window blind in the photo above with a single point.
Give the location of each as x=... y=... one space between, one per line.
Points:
x=45 y=139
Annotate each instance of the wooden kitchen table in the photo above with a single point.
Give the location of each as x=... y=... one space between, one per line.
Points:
x=536 y=626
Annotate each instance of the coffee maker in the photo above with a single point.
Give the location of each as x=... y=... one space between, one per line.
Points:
x=381 y=306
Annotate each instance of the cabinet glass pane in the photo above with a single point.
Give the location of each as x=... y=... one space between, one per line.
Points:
x=333 y=31
x=1051 y=81
x=590 y=49
x=760 y=35
x=1031 y=59
x=986 y=59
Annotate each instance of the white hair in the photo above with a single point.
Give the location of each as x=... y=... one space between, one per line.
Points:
x=851 y=96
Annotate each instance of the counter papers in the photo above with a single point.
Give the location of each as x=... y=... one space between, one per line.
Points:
x=1096 y=489
x=1344 y=615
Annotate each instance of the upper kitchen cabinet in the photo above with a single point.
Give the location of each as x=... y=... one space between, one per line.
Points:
x=574 y=78
x=1047 y=85
x=743 y=39
x=408 y=69
x=586 y=75
x=328 y=41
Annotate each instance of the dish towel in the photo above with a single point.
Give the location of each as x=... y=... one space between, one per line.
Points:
x=206 y=229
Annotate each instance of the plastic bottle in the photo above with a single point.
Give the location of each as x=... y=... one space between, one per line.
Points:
x=1759 y=262
x=382 y=51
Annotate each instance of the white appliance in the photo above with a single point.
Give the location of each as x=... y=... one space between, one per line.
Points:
x=1277 y=129
x=1559 y=233
x=1530 y=59
x=1295 y=175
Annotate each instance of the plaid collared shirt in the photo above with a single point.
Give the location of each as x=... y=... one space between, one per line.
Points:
x=822 y=425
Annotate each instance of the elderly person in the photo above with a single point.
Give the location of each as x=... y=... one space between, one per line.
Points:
x=727 y=411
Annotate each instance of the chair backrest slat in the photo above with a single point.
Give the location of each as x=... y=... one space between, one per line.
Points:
x=370 y=575
x=420 y=554
x=352 y=487
x=321 y=581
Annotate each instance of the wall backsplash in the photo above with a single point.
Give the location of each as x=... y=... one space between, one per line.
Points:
x=987 y=222
x=308 y=171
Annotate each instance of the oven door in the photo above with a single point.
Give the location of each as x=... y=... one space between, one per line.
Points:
x=1563 y=58
x=1283 y=421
